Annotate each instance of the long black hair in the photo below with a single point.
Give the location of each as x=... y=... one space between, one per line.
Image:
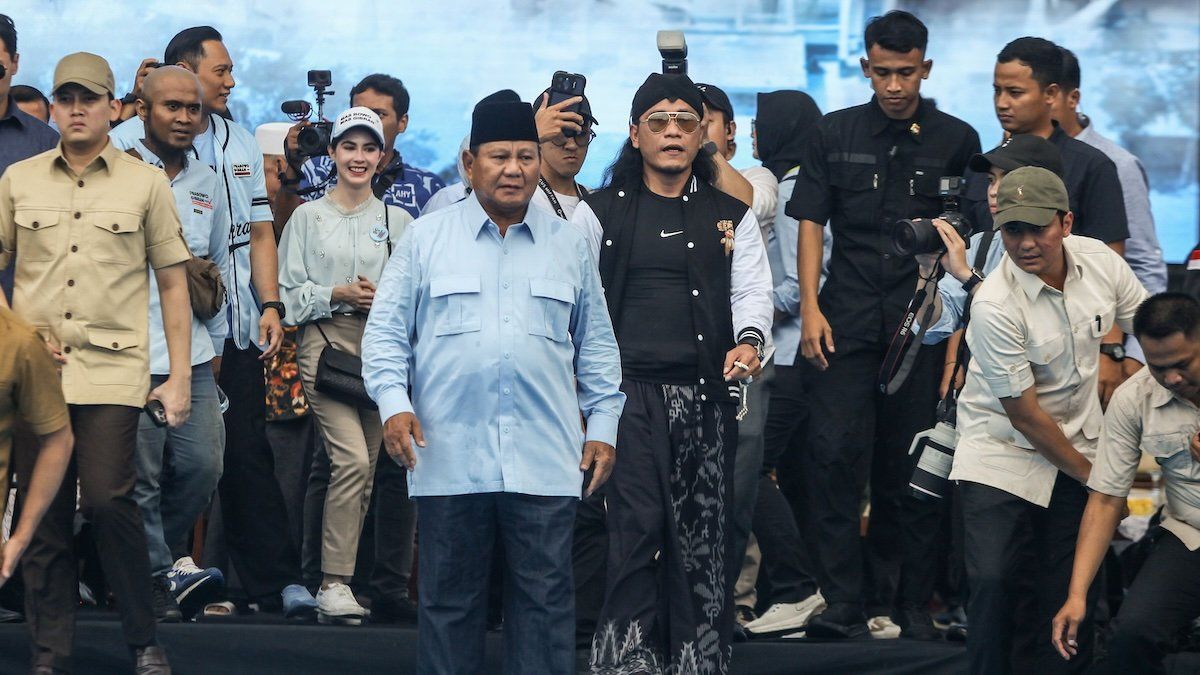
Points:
x=626 y=169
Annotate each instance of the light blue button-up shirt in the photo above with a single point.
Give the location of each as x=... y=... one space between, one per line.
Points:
x=206 y=229
x=782 y=244
x=497 y=344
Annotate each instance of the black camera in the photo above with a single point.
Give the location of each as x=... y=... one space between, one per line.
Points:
x=312 y=140
x=914 y=236
x=673 y=48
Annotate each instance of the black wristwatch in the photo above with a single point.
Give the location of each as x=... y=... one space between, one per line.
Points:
x=277 y=306
x=1113 y=350
x=753 y=341
x=974 y=281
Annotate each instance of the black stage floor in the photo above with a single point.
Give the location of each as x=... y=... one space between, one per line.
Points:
x=266 y=647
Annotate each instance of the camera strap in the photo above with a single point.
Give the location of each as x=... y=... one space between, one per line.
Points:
x=902 y=352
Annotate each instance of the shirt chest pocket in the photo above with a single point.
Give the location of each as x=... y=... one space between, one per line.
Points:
x=550 y=310
x=456 y=304
x=115 y=237
x=1042 y=356
x=853 y=176
x=1171 y=452
x=40 y=239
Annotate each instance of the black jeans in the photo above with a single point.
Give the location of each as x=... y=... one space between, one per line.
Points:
x=784 y=556
x=1019 y=558
x=856 y=433
x=105 y=441
x=458 y=534
x=1164 y=597
x=254 y=514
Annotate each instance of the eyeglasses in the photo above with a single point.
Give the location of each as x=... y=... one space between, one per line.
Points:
x=581 y=139
x=686 y=121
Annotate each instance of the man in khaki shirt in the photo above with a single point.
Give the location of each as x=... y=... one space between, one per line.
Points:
x=29 y=391
x=1029 y=417
x=1156 y=412
x=81 y=223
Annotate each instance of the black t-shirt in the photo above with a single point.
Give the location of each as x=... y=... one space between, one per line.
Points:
x=862 y=172
x=655 y=329
x=1093 y=189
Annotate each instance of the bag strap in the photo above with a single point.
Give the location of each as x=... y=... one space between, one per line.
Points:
x=985 y=244
x=902 y=352
x=387 y=225
x=322 y=332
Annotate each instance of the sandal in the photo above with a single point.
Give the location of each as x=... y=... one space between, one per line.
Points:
x=219 y=610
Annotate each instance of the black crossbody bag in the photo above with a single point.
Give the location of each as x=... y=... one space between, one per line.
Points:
x=339 y=373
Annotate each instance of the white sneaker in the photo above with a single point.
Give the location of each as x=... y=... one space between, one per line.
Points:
x=883 y=628
x=787 y=617
x=336 y=605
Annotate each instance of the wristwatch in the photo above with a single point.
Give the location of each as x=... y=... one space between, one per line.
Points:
x=753 y=341
x=1113 y=350
x=976 y=277
x=277 y=306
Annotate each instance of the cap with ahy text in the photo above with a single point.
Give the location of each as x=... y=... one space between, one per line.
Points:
x=86 y=70
x=1032 y=195
x=358 y=117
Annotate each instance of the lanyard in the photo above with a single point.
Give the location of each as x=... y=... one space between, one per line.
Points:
x=553 y=198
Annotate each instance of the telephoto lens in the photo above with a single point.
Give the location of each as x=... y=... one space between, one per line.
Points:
x=932 y=475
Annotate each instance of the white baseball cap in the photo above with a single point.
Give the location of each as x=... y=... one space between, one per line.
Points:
x=357 y=117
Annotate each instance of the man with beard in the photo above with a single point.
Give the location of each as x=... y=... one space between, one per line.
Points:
x=688 y=288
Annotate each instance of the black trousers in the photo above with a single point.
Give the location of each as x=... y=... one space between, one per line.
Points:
x=589 y=562
x=1019 y=558
x=254 y=514
x=105 y=442
x=667 y=600
x=856 y=433
x=1164 y=598
x=784 y=556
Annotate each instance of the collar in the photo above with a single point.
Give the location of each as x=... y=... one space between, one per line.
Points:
x=879 y=122
x=1160 y=395
x=478 y=219
x=1032 y=284
x=108 y=156
x=14 y=113
x=149 y=157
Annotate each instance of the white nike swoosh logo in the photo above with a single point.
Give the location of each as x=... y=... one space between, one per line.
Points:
x=664 y=234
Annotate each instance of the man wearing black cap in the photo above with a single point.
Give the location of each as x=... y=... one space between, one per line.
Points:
x=866 y=168
x=487 y=342
x=564 y=137
x=687 y=286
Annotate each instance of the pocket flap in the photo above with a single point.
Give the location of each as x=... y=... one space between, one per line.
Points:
x=341 y=361
x=1162 y=446
x=36 y=219
x=118 y=222
x=115 y=340
x=1001 y=429
x=555 y=290
x=1045 y=352
x=449 y=285
x=852 y=176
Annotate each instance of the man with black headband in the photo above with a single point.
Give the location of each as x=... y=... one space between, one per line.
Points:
x=488 y=339
x=868 y=167
x=687 y=285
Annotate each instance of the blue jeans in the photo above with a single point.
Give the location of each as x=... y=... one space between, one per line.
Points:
x=178 y=469
x=456 y=540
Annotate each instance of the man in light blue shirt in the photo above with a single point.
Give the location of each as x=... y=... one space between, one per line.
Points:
x=488 y=338
x=172 y=490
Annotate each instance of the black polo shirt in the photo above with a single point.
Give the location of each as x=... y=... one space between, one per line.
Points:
x=861 y=172
x=1093 y=189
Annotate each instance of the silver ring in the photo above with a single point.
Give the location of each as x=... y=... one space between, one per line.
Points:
x=741 y=365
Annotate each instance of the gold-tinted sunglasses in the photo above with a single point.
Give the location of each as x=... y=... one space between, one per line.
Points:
x=686 y=121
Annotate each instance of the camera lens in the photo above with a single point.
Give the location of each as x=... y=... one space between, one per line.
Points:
x=915 y=236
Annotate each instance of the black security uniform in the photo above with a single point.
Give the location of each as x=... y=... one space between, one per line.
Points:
x=862 y=172
x=1092 y=187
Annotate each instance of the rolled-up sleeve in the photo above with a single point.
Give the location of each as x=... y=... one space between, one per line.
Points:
x=8 y=228
x=998 y=345
x=954 y=299
x=165 y=245
x=387 y=346
x=597 y=358
x=1119 y=451
x=750 y=281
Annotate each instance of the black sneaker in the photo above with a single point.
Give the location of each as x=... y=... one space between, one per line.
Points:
x=839 y=621
x=915 y=624
x=393 y=609
x=166 y=610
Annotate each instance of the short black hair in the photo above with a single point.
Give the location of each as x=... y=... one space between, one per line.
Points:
x=1069 y=80
x=1166 y=314
x=23 y=93
x=896 y=31
x=188 y=45
x=386 y=85
x=1041 y=55
x=8 y=33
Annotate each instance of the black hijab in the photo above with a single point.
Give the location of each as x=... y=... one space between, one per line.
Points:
x=782 y=122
